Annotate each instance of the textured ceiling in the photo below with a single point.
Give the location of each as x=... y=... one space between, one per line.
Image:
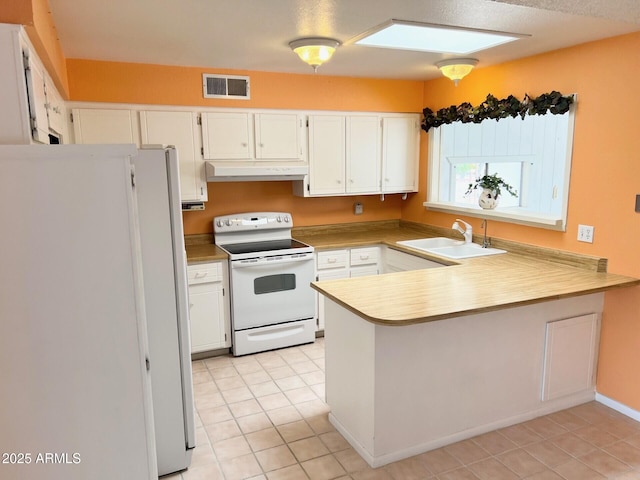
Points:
x=254 y=34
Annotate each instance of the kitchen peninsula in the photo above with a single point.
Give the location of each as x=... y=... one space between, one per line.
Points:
x=420 y=359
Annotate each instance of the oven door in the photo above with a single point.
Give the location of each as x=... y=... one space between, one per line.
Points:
x=271 y=290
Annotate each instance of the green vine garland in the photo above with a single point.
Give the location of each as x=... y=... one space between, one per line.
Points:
x=492 y=108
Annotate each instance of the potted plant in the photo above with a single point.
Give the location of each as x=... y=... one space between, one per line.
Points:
x=491 y=186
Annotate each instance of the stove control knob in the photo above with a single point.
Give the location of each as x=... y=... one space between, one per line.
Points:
x=228 y=222
x=279 y=219
x=219 y=223
x=286 y=219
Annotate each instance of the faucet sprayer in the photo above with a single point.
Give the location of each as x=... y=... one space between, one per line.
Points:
x=467 y=233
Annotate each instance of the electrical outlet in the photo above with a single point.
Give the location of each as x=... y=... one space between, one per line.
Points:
x=585 y=233
x=357 y=208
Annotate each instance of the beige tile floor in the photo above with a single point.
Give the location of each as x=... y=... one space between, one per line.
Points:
x=263 y=417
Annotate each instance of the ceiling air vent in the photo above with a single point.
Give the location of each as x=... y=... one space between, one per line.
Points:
x=225 y=86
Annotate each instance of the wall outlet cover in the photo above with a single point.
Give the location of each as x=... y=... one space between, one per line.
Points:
x=585 y=233
x=358 y=208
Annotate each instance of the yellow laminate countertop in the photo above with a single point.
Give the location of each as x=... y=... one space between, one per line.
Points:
x=200 y=249
x=480 y=285
x=523 y=276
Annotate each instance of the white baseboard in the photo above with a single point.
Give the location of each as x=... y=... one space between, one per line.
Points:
x=618 y=407
x=544 y=408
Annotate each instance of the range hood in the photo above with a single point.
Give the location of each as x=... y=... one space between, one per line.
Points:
x=237 y=171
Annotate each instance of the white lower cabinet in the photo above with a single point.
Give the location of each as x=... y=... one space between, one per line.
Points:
x=570 y=356
x=209 y=306
x=396 y=261
x=345 y=263
x=363 y=261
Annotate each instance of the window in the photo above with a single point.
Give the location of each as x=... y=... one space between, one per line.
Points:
x=532 y=155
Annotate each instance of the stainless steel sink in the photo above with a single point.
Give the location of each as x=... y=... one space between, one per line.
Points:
x=449 y=248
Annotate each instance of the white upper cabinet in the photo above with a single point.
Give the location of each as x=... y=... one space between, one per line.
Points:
x=94 y=126
x=56 y=109
x=327 y=155
x=227 y=136
x=32 y=109
x=344 y=154
x=35 y=76
x=179 y=129
x=278 y=136
x=252 y=136
x=46 y=107
x=363 y=154
x=400 y=153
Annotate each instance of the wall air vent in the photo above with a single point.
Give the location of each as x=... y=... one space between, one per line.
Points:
x=225 y=86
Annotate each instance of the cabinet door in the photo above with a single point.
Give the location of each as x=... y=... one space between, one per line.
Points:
x=37 y=101
x=227 y=136
x=400 y=150
x=206 y=313
x=181 y=130
x=55 y=108
x=278 y=136
x=395 y=261
x=327 y=275
x=326 y=154
x=363 y=167
x=93 y=126
x=571 y=349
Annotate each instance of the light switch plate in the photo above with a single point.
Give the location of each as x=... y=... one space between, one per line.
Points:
x=585 y=233
x=357 y=208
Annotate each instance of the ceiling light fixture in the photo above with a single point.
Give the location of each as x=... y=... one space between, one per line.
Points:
x=315 y=51
x=457 y=68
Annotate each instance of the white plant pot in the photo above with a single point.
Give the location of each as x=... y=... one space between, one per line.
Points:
x=488 y=200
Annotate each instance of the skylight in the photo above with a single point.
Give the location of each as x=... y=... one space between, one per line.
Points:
x=427 y=37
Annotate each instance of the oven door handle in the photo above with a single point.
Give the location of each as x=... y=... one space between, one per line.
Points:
x=269 y=261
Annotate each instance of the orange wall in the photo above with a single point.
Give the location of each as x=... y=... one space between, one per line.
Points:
x=35 y=15
x=155 y=84
x=605 y=177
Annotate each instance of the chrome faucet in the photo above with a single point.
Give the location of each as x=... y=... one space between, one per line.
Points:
x=486 y=243
x=467 y=233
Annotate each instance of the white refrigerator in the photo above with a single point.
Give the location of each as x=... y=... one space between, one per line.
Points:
x=94 y=330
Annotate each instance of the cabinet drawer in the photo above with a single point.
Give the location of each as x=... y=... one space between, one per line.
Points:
x=333 y=274
x=364 y=270
x=332 y=259
x=204 y=273
x=365 y=256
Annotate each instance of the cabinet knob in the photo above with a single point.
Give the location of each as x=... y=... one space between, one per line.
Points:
x=339 y=181
x=244 y=144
